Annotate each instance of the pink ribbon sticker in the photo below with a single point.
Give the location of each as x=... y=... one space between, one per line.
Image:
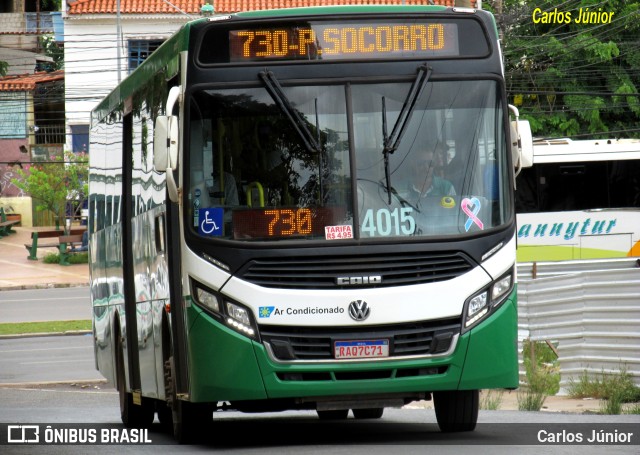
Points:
x=471 y=207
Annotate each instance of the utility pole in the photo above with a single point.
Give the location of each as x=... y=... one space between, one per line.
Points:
x=118 y=38
x=37 y=26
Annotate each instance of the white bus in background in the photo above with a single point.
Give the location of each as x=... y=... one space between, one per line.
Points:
x=579 y=200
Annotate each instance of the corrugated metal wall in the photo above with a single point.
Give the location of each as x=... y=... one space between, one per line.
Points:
x=590 y=309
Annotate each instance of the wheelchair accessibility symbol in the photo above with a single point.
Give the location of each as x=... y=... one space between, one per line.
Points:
x=210 y=221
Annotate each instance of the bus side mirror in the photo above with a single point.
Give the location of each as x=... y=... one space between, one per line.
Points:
x=522 y=146
x=165 y=143
x=521 y=142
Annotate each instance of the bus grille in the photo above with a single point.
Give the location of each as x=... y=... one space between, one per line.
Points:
x=395 y=269
x=316 y=343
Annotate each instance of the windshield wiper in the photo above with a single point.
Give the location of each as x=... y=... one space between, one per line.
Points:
x=392 y=141
x=299 y=123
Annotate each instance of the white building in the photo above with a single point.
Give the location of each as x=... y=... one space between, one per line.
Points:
x=94 y=63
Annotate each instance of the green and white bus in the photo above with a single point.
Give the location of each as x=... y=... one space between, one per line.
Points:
x=580 y=199
x=308 y=209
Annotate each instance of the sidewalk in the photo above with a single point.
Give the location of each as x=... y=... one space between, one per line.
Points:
x=18 y=272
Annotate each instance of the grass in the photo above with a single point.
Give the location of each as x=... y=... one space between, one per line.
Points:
x=44 y=327
x=543 y=376
x=491 y=399
x=615 y=389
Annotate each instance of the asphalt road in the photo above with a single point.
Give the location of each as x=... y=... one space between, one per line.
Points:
x=36 y=305
x=47 y=359
x=401 y=431
x=53 y=381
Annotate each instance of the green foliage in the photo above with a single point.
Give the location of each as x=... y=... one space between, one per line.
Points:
x=614 y=389
x=50 y=5
x=530 y=399
x=54 y=50
x=51 y=184
x=4 y=67
x=573 y=79
x=73 y=258
x=543 y=376
x=604 y=386
x=51 y=258
x=491 y=399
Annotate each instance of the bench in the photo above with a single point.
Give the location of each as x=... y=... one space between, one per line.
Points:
x=70 y=244
x=6 y=226
x=58 y=239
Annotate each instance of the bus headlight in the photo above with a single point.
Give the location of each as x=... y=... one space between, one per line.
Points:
x=207 y=299
x=477 y=308
x=484 y=302
x=239 y=319
x=500 y=288
x=232 y=314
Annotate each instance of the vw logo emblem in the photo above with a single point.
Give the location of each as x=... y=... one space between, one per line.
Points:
x=359 y=310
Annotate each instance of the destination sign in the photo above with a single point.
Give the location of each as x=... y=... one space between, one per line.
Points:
x=349 y=41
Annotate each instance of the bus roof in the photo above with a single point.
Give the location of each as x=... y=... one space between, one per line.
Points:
x=340 y=9
x=570 y=151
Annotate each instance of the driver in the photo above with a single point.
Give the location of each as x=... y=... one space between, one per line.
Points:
x=423 y=181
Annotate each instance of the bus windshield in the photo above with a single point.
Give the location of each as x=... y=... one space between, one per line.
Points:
x=284 y=161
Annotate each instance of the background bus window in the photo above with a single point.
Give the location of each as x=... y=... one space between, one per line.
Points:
x=585 y=185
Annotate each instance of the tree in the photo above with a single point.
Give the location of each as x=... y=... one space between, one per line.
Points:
x=53 y=50
x=57 y=183
x=571 y=78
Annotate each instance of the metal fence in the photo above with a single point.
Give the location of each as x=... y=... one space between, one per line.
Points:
x=589 y=310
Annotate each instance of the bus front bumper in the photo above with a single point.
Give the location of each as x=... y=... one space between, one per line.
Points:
x=227 y=366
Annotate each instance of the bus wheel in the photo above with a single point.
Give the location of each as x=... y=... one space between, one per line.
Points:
x=369 y=413
x=338 y=414
x=132 y=415
x=190 y=420
x=457 y=410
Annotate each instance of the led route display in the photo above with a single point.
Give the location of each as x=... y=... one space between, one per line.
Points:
x=325 y=41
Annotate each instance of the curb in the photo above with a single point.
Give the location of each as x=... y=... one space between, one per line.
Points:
x=24 y=287
x=45 y=334
x=80 y=382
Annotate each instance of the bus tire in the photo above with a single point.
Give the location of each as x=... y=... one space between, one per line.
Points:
x=337 y=414
x=457 y=410
x=132 y=415
x=190 y=420
x=368 y=413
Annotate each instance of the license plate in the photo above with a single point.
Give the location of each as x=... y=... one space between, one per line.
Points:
x=361 y=349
